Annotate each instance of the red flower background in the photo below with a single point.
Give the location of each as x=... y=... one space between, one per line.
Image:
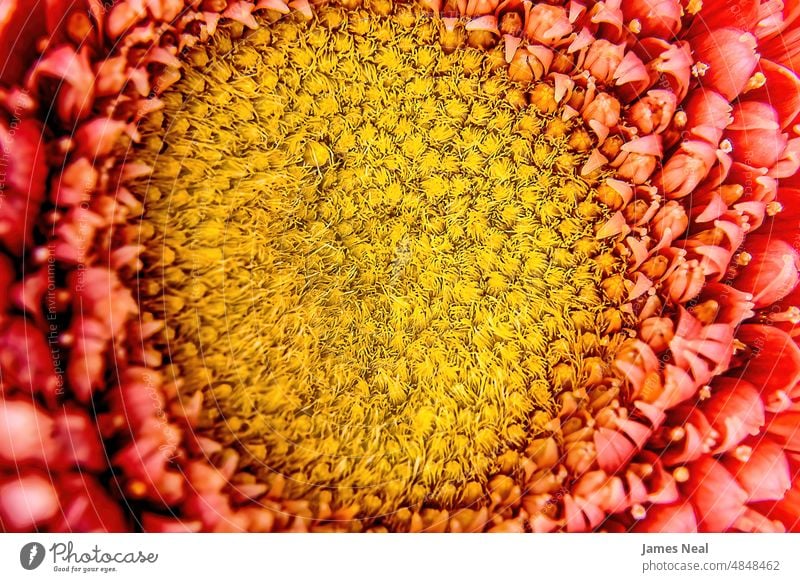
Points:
x=694 y=105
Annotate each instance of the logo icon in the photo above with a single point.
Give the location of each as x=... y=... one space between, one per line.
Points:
x=31 y=555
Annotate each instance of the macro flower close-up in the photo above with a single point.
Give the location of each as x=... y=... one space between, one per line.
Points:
x=399 y=266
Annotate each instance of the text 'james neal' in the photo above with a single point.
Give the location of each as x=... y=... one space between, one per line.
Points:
x=683 y=549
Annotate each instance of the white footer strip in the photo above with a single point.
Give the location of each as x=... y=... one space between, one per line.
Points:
x=407 y=558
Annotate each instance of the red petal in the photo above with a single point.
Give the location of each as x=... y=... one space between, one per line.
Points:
x=717 y=498
x=154 y=523
x=785 y=428
x=708 y=114
x=775 y=362
x=20 y=28
x=720 y=13
x=24 y=179
x=686 y=168
x=787 y=510
x=730 y=54
x=735 y=410
x=772 y=272
x=26 y=502
x=24 y=433
x=7 y=277
x=659 y=18
x=677 y=518
x=614 y=449
x=755 y=134
x=25 y=360
x=86 y=506
x=765 y=474
x=76 y=81
x=781 y=91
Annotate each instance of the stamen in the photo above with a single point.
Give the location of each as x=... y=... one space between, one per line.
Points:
x=681 y=474
x=386 y=237
x=699 y=69
x=757 y=81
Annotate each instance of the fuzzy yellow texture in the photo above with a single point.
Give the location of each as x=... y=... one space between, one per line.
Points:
x=375 y=265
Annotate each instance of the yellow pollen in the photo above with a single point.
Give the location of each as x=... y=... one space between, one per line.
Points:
x=694 y=6
x=757 y=81
x=371 y=259
x=681 y=474
x=699 y=69
x=677 y=434
x=743 y=452
x=743 y=259
x=774 y=208
x=137 y=488
x=638 y=511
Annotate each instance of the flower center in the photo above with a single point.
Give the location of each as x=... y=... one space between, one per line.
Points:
x=375 y=258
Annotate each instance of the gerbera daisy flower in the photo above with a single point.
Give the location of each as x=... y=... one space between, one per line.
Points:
x=448 y=265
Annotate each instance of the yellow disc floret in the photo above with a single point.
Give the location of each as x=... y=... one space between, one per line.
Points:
x=373 y=260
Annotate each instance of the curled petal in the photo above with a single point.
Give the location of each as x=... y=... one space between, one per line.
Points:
x=677 y=518
x=97 y=137
x=715 y=14
x=546 y=24
x=724 y=304
x=761 y=469
x=87 y=507
x=241 y=12
x=784 y=427
x=772 y=361
x=76 y=93
x=123 y=16
x=527 y=65
x=727 y=58
x=685 y=282
x=632 y=74
x=787 y=510
x=708 y=114
x=659 y=18
x=670 y=64
x=756 y=134
x=75 y=184
x=780 y=88
x=772 y=272
x=718 y=500
x=603 y=59
x=604 y=109
x=686 y=168
x=653 y=112
x=735 y=410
